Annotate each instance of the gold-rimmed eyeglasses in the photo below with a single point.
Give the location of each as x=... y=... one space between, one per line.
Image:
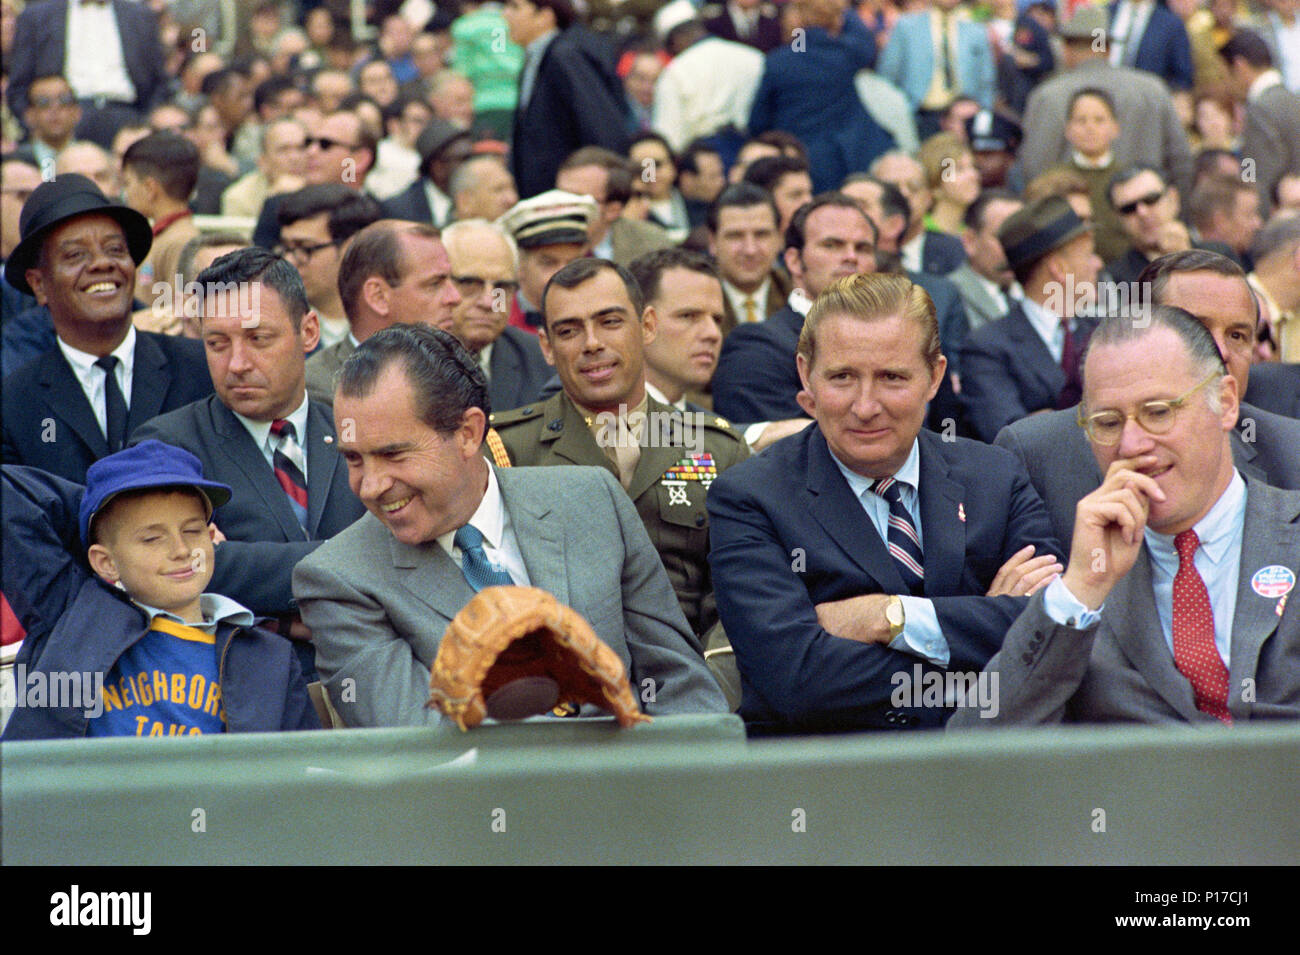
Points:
x=1155 y=417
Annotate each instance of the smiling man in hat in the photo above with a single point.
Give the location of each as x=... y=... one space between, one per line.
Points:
x=80 y=400
x=1029 y=360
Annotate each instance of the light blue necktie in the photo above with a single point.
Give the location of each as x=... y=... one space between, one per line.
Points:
x=478 y=570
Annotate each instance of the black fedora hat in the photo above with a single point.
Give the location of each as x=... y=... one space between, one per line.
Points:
x=62 y=198
x=1039 y=228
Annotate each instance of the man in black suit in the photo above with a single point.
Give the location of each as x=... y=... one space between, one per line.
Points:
x=78 y=402
x=1029 y=361
x=569 y=94
x=109 y=52
x=1213 y=288
x=484 y=267
x=865 y=548
x=923 y=250
x=442 y=147
x=260 y=434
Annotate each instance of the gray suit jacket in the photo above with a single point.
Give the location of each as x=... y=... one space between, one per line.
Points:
x=1272 y=139
x=1062 y=468
x=322 y=367
x=1150 y=130
x=1121 y=670
x=378 y=608
x=981 y=308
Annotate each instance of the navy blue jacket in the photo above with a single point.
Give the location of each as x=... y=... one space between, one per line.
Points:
x=811 y=93
x=49 y=424
x=792 y=504
x=1008 y=373
x=262 y=686
x=1165 y=49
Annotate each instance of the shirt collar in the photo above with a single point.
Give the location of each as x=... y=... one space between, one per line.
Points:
x=82 y=362
x=161 y=225
x=737 y=298
x=538 y=46
x=1045 y=322
x=799 y=302
x=909 y=473
x=660 y=397
x=489 y=520
x=261 y=430
x=1083 y=162
x=216 y=609
x=1216 y=531
x=1265 y=81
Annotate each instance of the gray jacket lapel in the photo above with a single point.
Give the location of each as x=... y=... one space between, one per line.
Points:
x=430 y=576
x=1131 y=618
x=1270 y=537
x=541 y=542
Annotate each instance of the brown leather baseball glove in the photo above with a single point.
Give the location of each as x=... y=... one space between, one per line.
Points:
x=514 y=652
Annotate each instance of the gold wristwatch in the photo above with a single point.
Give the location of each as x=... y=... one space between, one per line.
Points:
x=894 y=615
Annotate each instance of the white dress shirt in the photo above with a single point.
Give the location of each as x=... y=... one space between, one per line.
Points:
x=911 y=253
x=94 y=64
x=492 y=520
x=921 y=635
x=260 y=432
x=1048 y=326
x=439 y=203
x=737 y=299
x=91 y=377
x=216 y=609
x=1130 y=25
x=1288 y=49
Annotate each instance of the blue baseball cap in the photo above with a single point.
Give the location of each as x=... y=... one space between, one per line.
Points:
x=149 y=464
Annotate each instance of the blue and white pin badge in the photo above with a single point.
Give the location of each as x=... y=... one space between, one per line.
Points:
x=1275 y=580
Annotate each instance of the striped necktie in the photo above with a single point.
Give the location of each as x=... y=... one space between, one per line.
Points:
x=904 y=542
x=290 y=466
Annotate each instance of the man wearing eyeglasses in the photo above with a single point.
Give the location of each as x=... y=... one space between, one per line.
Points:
x=392 y=271
x=315 y=223
x=1148 y=212
x=484 y=268
x=1214 y=289
x=1174 y=605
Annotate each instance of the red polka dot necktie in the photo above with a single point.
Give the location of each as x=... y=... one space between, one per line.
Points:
x=1195 y=654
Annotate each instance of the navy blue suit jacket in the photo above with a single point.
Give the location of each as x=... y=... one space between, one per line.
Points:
x=49 y=424
x=757 y=378
x=411 y=204
x=577 y=100
x=1165 y=49
x=941 y=253
x=1008 y=373
x=791 y=503
x=40 y=49
x=264 y=539
x=518 y=370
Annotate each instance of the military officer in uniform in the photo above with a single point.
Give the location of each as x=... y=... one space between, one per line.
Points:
x=596 y=329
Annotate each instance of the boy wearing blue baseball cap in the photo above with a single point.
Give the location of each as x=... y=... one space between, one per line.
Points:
x=167 y=659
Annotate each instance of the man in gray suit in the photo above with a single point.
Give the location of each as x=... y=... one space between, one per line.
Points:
x=1271 y=138
x=1213 y=289
x=985 y=280
x=412 y=408
x=392 y=271
x=1150 y=131
x=1174 y=605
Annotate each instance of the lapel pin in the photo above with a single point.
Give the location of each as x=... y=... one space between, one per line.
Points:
x=1275 y=580
x=961 y=512
x=329 y=439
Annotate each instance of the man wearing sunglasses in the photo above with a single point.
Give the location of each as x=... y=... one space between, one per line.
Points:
x=1214 y=290
x=484 y=268
x=1148 y=212
x=51 y=117
x=1174 y=605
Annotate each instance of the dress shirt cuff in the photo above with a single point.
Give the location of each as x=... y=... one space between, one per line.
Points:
x=921 y=635
x=1065 y=609
x=755 y=431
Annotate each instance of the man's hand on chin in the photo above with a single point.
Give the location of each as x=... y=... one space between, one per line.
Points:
x=856 y=618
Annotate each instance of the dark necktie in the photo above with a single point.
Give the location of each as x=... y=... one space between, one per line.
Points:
x=949 y=79
x=288 y=462
x=904 y=542
x=114 y=405
x=1195 y=653
x=1073 y=389
x=479 y=571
